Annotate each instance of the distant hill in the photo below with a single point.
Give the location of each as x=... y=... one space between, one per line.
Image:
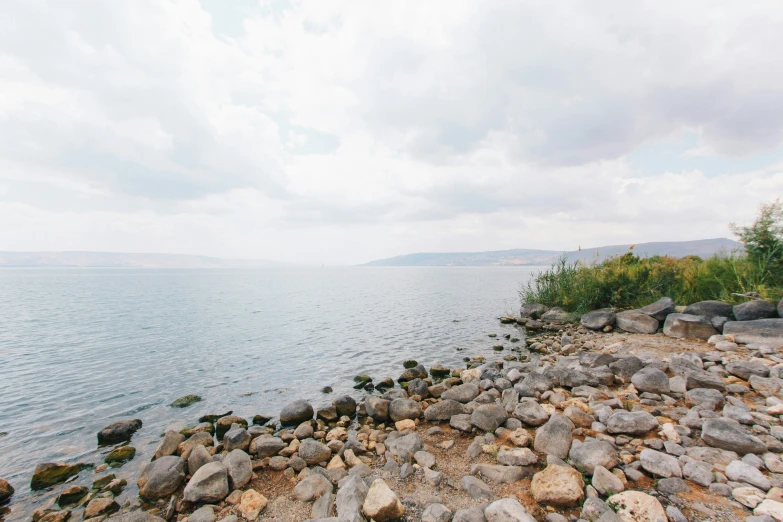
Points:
x=118 y=260
x=522 y=257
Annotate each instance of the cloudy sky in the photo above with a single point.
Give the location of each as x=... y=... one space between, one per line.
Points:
x=341 y=132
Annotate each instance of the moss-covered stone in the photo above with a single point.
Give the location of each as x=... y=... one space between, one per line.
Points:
x=184 y=402
x=6 y=491
x=72 y=495
x=102 y=482
x=385 y=384
x=410 y=363
x=213 y=418
x=52 y=473
x=120 y=455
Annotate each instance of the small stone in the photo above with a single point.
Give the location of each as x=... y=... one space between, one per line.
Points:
x=252 y=504
x=558 y=486
x=381 y=503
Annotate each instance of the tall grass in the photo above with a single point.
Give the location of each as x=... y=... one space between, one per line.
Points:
x=628 y=281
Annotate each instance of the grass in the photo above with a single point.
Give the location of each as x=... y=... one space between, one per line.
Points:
x=629 y=281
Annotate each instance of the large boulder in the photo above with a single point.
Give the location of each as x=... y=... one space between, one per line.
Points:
x=659 y=309
x=763 y=331
x=554 y=437
x=756 y=309
x=729 y=435
x=651 y=379
x=401 y=409
x=709 y=308
x=443 y=411
x=161 y=478
x=169 y=444
x=598 y=319
x=631 y=423
x=634 y=321
x=558 y=486
x=686 y=326
x=121 y=431
x=296 y=412
x=209 y=484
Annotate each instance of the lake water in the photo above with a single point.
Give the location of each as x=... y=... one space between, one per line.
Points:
x=81 y=348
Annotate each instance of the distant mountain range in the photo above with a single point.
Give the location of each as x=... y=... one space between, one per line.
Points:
x=123 y=260
x=521 y=257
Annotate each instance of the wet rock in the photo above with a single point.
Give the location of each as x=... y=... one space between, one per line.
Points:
x=168 y=446
x=120 y=455
x=377 y=408
x=709 y=309
x=296 y=412
x=443 y=411
x=344 y=405
x=312 y=487
x=762 y=331
x=598 y=319
x=729 y=435
x=119 y=431
x=417 y=372
x=52 y=473
x=631 y=423
x=651 y=379
x=161 y=478
x=507 y=510
x=350 y=499
x=756 y=309
x=70 y=495
x=498 y=474
x=209 y=484
x=239 y=468
x=224 y=424
x=554 y=437
x=136 y=516
x=686 y=326
x=381 y=503
x=185 y=401
x=660 y=464
x=659 y=309
x=634 y=321
x=587 y=456
x=57 y=516
x=314 y=452
x=401 y=409
x=418 y=387
x=558 y=486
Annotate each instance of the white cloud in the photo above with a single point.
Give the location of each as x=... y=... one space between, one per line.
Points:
x=331 y=132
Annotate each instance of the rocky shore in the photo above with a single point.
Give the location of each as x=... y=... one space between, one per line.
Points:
x=663 y=413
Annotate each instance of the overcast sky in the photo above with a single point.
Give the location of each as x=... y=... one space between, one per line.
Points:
x=341 y=132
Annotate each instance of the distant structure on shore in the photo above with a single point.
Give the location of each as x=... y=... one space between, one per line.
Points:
x=523 y=257
x=122 y=260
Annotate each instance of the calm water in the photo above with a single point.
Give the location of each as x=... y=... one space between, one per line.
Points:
x=81 y=348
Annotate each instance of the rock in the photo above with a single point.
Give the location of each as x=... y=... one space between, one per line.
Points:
x=100 y=506
x=532 y=310
x=418 y=387
x=531 y=413
x=659 y=309
x=634 y=321
x=381 y=503
x=136 y=516
x=424 y=459
x=686 y=326
x=587 y=456
x=314 y=452
x=507 y=510
x=350 y=499
x=436 y=513
x=252 y=504
x=631 y=423
x=498 y=474
x=312 y=487
x=52 y=473
x=762 y=331
x=635 y=506
x=417 y=372
x=443 y=411
x=558 y=486
x=400 y=409
x=651 y=379
x=197 y=439
x=598 y=319
x=266 y=446
x=225 y=423
x=185 y=401
x=239 y=468
x=698 y=472
x=770 y=508
x=739 y=471
x=161 y=478
x=704 y=398
x=606 y=482
x=517 y=457
x=756 y=309
x=120 y=455
x=461 y=423
x=168 y=446
x=404 y=447
x=119 y=431
x=626 y=367
x=488 y=417
x=702 y=379
x=198 y=457
x=463 y=393
x=345 y=405
x=475 y=487
x=322 y=507
x=69 y=496
x=744 y=369
x=296 y=412
x=377 y=408
x=556 y=315
x=237 y=438
x=554 y=437
x=304 y=431
x=57 y=516
x=729 y=435
x=203 y=514
x=208 y=484
x=660 y=464
x=672 y=486
x=709 y=309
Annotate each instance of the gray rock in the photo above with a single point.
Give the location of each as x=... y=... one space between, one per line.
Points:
x=739 y=471
x=404 y=447
x=554 y=437
x=756 y=309
x=322 y=507
x=377 y=408
x=634 y=321
x=744 y=369
x=161 y=478
x=659 y=309
x=344 y=405
x=424 y=459
x=605 y=482
x=314 y=486
x=672 y=486
x=443 y=411
x=704 y=398
x=350 y=499
x=762 y=331
x=631 y=423
x=687 y=326
x=296 y=412
x=475 y=487
x=532 y=310
x=660 y=464
x=709 y=309
x=587 y=456
x=675 y=515
x=507 y=510
x=202 y=514
x=650 y=379
x=556 y=315
x=517 y=457
x=313 y=452
x=488 y=417
x=401 y=409
x=498 y=474
x=239 y=468
x=237 y=438
x=119 y=431
x=702 y=379
x=598 y=319
x=198 y=457
x=463 y=393
x=209 y=484
x=729 y=435
x=698 y=472
x=436 y=513
x=461 y=422
x=267 y=446
x=531 y=413
x=418 y=387
x=469 y=515
x=626 y=367
x=169 y=444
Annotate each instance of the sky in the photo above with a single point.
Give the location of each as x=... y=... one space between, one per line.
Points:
x=341 y=132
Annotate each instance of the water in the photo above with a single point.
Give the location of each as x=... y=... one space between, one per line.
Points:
x=81 y=348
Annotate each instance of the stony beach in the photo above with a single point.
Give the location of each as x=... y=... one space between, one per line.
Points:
x=663 y=413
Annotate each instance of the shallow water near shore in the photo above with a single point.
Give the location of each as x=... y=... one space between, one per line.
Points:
x=81 y=348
